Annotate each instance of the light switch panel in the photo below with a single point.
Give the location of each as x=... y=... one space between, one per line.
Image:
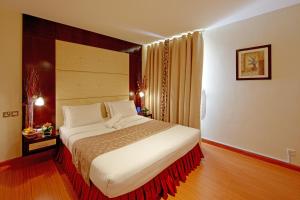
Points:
x=14 y=113
x=6 y=114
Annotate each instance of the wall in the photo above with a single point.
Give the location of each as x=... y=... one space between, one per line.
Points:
x=11 y=84
x=262 y=116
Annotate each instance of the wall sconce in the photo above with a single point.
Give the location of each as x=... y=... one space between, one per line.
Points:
x=141 y=94
x=131 y=93
x=36 y=101
x=39 y=101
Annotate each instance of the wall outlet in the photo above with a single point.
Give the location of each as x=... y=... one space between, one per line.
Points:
x=5 y=114
x=14 y=113
x=290 y=154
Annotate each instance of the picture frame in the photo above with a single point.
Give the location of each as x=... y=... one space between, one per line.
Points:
x=254 y=63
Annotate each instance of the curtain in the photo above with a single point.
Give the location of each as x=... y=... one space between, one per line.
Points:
x=173 y=79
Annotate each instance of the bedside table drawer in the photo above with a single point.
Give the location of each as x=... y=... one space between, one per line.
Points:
x=42 y=144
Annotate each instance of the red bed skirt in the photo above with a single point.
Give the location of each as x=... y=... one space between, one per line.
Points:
x=159 y=187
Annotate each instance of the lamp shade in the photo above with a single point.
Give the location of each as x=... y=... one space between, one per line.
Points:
x=131 y=93
x=141 y=94
x=39 y=101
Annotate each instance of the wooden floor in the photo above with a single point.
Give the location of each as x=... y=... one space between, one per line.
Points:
x=223 y=175
x=228 y=175
x=38 y=178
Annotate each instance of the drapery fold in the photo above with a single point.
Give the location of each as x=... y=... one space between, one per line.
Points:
x=164 y=106
x=174 y=75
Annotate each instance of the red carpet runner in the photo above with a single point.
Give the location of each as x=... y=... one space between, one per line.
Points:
x=163 y=184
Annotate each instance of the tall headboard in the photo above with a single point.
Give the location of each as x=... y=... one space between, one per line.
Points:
x=39 y=51
x=86 y=75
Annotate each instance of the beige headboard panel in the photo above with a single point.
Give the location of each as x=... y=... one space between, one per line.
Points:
x=86 y=75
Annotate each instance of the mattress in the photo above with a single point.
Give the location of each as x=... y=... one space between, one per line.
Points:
x=125 y=169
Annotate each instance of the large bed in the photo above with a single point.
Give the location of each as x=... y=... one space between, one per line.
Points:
x=125 y=172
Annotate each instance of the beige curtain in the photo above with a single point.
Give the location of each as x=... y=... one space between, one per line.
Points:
x=174 y=75
x=153 y=78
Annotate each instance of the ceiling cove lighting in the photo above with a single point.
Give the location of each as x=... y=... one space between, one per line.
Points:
x=177 y=36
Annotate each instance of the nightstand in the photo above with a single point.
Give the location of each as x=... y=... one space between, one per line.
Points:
x=146 y=115
x=39 y=144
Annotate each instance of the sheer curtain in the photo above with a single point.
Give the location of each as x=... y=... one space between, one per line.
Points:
x=173 y=77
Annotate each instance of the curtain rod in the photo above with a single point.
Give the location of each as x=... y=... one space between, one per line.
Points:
x=176 y=36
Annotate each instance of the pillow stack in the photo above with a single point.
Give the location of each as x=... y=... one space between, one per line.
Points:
x=123 y=108
x=75 y=116
x=82 y=115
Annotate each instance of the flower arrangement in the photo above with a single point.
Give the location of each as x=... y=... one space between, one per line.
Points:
x=145 y=110
x=47 y=129
x=31 y=83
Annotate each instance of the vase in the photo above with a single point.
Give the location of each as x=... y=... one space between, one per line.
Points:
x=30 y=113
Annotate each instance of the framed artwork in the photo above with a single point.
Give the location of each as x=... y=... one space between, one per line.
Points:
x=254 y=63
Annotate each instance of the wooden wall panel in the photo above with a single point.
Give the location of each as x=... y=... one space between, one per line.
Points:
x=39 y=52
x=76 y=85
x=86 y=74
x=135 y=69
x=77 y=57
x=39 y=37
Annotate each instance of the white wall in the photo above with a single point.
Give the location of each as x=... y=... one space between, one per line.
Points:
x=10 y=83
x=261 y=116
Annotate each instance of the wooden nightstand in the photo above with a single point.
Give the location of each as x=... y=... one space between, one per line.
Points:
x=146 y=115
x=39 y=144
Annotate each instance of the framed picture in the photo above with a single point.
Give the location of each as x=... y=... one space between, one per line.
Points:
x=253 y=63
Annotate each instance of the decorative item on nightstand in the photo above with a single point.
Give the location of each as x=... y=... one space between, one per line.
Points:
x=31 y=91
x=30 y=133
x=33 y=94
x=35 y=101
x=138 y=109
x=47 y=129
x=145 y=112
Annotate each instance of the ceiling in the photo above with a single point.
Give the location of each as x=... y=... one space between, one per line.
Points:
x=145 y=21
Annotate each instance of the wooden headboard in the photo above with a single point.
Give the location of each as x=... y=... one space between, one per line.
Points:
x=86 y=75
x=39 y=50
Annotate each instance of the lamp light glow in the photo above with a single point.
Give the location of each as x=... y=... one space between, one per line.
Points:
x=131 y=93
x=39 y=101
x=141 y=94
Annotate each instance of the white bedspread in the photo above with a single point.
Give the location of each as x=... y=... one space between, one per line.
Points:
x=128 y=168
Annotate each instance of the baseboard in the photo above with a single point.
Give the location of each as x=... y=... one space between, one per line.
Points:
x=253 y=155
x=25 y=160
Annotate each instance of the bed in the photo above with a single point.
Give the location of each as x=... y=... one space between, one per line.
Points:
x=148 y=168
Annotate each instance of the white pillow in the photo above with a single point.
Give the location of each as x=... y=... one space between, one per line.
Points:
x=124 y=108
x=75 y=116
x=112 y=121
